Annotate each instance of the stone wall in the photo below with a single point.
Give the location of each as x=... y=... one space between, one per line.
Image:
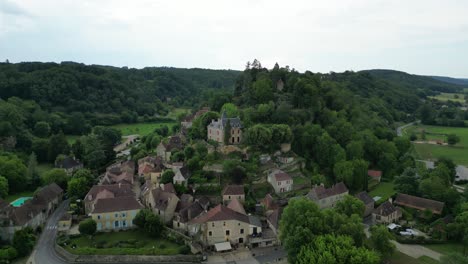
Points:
x=67 y=256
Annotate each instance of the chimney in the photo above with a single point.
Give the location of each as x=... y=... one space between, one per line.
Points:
x=120 y=184
x=390 y=200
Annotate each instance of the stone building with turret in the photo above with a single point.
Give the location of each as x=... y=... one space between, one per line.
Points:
x=217 y=129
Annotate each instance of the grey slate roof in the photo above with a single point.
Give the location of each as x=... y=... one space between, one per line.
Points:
x=365 y=198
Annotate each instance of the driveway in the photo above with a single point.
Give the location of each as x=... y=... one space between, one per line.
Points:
x=416 y=251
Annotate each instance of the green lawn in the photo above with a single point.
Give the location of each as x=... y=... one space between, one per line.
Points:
x=446 y=248
x=10 y=198
x=449 y=97
x=459 y=152
x=384 y=190
x=132 y=242
x=400 y=258
x=141 y=129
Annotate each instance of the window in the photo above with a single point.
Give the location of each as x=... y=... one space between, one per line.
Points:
x=212 y=224
x=229 y=197
x=107 y=216
x=238 y=224
x=116 y=224
x=242 y=231
x=241 y=240
x=124 y=214
x=224 y=223
x=124 y=223
x=99 y=226
x=210 y=233
x=178 y=224
x=228 y=232
x=99 y=217
x=116 y=215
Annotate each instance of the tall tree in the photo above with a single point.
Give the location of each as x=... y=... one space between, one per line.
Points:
x=380 y=238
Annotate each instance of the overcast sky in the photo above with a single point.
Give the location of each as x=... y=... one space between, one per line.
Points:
x=416 y=36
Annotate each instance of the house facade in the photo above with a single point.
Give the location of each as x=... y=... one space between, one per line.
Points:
x=281 y=181
x=231 y=192
x=386 y=213
x=165 y=149
x=181 y=176
x=115 y=213
x=163 y=201
x=328 y=197
x=217 y=130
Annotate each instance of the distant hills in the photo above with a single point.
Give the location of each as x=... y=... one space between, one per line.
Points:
x=419 y=82
x=451 y=80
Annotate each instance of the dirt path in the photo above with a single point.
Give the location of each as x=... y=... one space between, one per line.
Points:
x=416 y=251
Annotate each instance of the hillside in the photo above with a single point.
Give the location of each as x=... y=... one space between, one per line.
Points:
x=457 y=81
x=421 y=84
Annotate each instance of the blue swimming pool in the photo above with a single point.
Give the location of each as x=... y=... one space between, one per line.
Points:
x=20 y=201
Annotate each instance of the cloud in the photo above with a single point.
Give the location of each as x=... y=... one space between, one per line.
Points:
x=10 y=8
x=416 y=36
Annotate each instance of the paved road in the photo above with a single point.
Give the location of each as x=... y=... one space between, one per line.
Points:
x=45 y=252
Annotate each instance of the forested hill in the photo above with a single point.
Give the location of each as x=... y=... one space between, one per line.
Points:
x=422 y=84
x=73 y=87
x=458 y=81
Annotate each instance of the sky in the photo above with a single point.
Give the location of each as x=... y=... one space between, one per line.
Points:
x=427 y=37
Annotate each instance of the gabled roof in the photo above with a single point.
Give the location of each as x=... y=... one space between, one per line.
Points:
x=162 y=198
x=47 y=194
x=419 y=203
x=221 y=213
x=385 y=209
x=117 y=190
x=374 y=173
x=222 y=122
x=269 y=203
x=68 y=163
x=190 y=212
x=184 y=172
x=235 y=205
x=320 y=192
x=275 y=217
x=365 y=198
x=116 y=204
x=282 y=176
x=233 y=190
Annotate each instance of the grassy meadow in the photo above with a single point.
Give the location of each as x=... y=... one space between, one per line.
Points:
x=141 y=129
x=455 y=97
x=458 y=152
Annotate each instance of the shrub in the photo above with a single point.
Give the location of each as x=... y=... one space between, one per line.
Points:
x=185 y=250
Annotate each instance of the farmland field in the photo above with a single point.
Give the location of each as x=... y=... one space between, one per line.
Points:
x=459 y=152
x=141 y=129
x=449 y=97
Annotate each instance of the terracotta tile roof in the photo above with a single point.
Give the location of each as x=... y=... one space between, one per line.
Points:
x=221 y=213
x=419 y=203
x=116 y=204
x=320 y=192
x=117 y=190
x=365 y=198
x=169 y=187
x=269 y=203
x=236 y=206
x=385 y=209
x=233 y=190
x=374 y=173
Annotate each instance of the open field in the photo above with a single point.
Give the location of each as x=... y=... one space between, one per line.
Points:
x=456 y=97
x=132 y=242
x=141 y=129
x=400 y=258
x=446 y=249
x=459 y=152
x=385 y=190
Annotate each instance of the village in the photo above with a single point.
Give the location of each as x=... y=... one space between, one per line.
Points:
x=222 y=215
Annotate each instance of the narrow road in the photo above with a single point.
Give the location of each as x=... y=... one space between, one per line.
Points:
x=45 y=252
x=399 y=130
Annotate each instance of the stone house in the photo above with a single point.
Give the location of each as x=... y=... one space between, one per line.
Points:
x=216 y=130
x=281 y=181
x=115 y=213
x=119 y=173
x=69 y=164
x=231 y=192
x=273 y=219
x=104 y=192
x=32 y=213
x=186 y=214
x=163 y=201
x=375 y=175
x=420 y=204
x=181 y=176
x=386 y=213
x=166 y=149
x=368 y=202
x=222 y=224
x=327 y=198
